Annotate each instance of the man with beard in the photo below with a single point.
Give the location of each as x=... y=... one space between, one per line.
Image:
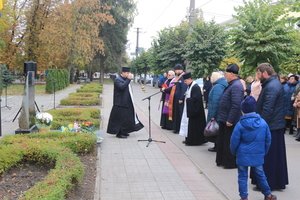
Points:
x=270 y=105
x=177 y=97
x=193 y=117
x=123 y=119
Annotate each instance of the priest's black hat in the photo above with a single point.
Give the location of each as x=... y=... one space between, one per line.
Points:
x=125 y=69
x=232 y=68
x=187 y=75
x=178 y=67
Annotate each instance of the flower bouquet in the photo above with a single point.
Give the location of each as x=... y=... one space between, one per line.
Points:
x=87 y=126
x=43 y=120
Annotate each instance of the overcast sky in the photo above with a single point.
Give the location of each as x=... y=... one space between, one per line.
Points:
x=154 y=15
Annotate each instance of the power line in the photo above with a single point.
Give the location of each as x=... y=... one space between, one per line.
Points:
x=206 y=3
x=163 y=12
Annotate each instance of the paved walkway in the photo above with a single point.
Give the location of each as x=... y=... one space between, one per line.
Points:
x=130 y=170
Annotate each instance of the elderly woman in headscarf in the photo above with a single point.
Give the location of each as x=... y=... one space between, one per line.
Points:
x=219 y=84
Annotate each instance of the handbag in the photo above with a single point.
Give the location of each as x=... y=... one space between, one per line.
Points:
x=211 y=129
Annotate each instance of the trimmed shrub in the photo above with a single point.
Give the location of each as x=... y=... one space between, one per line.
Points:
x=53 y=148
x=66 y=116
x=91 y=87
x=58 y=78
x=81 y=99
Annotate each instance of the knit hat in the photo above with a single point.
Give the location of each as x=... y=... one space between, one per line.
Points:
x=178 y=67
x=232 y=68
x=248 y=105
x=187 y=75
x=125 y=69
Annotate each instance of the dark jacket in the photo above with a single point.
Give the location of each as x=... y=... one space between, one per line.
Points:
x=229 y=106
x=181 y=88
x=289 y=89
x=250 y=140
x=121 y=92
x=270 y=103
x=206 y=89
x=214 y=97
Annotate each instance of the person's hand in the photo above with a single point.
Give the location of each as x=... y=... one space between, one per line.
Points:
x=130 y=76
x=229 y=124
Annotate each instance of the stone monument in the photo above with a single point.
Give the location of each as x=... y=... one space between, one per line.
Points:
x=27 y=116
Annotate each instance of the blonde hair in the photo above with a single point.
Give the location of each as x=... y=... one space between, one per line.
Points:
x=216 y=76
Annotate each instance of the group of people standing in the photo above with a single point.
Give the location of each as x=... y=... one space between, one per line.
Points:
x=183 y=110
x=224 y=103
x=252 y=120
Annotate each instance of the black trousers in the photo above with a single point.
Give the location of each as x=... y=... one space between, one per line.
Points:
x=224 y=156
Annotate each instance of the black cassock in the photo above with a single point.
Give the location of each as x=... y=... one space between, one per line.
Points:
x=193 y=119
x=122 y=118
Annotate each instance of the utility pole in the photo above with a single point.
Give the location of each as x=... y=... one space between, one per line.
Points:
x=137 y=42
x=192 y=12
x=192 y=19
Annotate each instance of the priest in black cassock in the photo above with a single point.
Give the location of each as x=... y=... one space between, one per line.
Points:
x=193 y=117
x=123 y=119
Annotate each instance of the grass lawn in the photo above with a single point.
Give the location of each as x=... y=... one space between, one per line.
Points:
x=19 y=89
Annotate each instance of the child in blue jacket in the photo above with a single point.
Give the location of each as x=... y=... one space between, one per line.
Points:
x=250 y=141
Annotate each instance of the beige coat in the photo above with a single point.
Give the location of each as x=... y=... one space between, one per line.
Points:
x=297 y=106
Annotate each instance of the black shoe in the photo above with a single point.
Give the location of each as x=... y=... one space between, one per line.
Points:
x=126 y=134
x=121 y=136
x=298 y=139
x=212 y=149
x=183 y=142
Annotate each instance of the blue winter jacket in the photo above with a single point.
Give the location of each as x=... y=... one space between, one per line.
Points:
x=250 y=140
x=214 y=98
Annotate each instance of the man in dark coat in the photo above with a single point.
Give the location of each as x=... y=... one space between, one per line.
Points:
x=207 y=85
x=123 y=119
x=179 y=91
x=193 y=116
x=229 y=113
x=270 y=105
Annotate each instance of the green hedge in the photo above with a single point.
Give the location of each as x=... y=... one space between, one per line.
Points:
x=58 y=78
x=81 y=99
x=91 y=87
x=50 y=148
x=66 y=116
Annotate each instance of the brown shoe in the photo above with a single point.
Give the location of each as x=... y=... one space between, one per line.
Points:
x=271 y=197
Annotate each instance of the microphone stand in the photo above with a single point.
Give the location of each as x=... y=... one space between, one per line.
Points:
x=6 y=106
x=149 y=109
